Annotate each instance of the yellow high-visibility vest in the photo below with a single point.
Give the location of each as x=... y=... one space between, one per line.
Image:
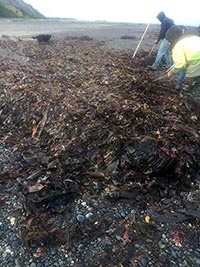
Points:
x=186 y=52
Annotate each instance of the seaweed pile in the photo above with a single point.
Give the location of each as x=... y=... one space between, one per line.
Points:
x=77 y=120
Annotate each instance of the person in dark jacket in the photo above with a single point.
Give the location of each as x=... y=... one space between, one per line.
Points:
x=164 y=49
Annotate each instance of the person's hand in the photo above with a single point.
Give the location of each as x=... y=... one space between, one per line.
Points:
x=169 y=74
x=156 y=42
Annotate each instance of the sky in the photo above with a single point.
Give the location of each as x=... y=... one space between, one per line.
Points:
x=183 y=12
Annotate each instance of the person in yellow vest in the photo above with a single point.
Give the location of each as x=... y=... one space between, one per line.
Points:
x=185 y=55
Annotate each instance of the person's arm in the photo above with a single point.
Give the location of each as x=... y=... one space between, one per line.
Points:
x=179 y=59
x=162 y=32
x=178 y=56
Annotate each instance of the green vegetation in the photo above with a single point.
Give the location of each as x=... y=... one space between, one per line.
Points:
x=7 y=12
x=22 y=10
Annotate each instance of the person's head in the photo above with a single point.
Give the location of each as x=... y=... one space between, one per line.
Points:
x=161 y=16
x=183 y=28
x=173 y=35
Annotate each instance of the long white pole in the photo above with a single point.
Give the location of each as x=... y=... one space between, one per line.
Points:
x=141 y=39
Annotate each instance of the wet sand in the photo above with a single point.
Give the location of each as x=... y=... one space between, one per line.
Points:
x=115 y=35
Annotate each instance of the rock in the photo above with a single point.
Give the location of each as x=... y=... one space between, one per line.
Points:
x=80 y=218
x=17 y=263
x=90 y=216
x=144 y=262
x=81 y=248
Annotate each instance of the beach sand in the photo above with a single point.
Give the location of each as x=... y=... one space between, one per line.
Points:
x=115 y=35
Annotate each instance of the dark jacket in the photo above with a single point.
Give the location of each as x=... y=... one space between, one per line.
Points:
x=166 y=23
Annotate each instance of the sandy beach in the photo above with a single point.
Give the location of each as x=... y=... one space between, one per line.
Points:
x=115 y=35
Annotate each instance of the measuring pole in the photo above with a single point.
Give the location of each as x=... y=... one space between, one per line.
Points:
x=141 y=39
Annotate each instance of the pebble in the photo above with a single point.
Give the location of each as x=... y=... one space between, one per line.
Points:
x=80 y=218
x=90 y=216
x=81 y=248
x=95 y=203
x=144 y=262
x=166 y=201
x=53 y=252
x=98 y=185
x=118 y=237
x=174 y=254
x=164 y=236
x=161 y=244
x=17 y=263
x=197 y=261
x=123 y=215
x=60 y=262
x=47 y=263
x=13 y=253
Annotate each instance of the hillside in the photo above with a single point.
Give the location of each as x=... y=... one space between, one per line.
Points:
x=17 y=9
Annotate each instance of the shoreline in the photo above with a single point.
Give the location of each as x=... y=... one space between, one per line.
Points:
x=117 y=35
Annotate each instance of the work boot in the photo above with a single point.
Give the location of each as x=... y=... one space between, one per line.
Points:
x=178 y=87
x=153 y=67
x=185 y=93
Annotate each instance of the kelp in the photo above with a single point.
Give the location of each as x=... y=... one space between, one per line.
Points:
x=75 y=113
